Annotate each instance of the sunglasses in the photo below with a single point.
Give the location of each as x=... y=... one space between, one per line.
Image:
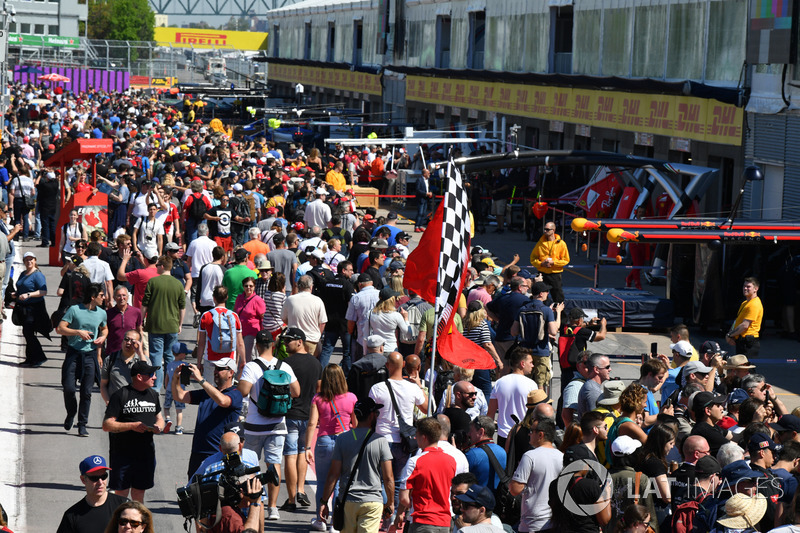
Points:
x=604 y=367
x=126 y=521
x=129 y=340
x=471 y=394
x=95 y=479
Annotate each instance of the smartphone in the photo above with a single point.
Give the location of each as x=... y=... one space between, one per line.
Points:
x=186 y=374
x=653 y=349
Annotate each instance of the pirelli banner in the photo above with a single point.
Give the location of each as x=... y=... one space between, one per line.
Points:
x=687 y=117
x=197 y=38
x=332 y=78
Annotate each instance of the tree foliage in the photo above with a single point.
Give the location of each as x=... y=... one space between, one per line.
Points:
x=122 y=20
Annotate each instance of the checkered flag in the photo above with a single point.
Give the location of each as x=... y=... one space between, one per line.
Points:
x=454 y=249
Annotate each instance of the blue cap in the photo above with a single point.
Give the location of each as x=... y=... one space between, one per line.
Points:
x=737 y=397
x=479 y=495
x=761 y=441
x=93 y=463
x=738 y=471
x=180 y=347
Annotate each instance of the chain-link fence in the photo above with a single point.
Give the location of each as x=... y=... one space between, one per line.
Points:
x=221 y=65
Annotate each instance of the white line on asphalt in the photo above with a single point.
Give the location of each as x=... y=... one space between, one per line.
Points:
x=12 y=493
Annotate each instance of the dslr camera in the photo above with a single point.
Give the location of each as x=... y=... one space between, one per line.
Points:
x=206 y=495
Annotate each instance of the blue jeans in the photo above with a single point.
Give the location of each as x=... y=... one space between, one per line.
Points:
x=323 y=454
x=48 y=228
x=191 y=230
x=78 y=365
x=21 y=216
x=329 y=339
x=399 y=460
x=160 y=345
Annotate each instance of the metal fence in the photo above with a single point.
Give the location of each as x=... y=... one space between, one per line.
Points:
x=142 y=59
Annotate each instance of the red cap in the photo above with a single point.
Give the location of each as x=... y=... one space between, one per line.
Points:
x=51 y=147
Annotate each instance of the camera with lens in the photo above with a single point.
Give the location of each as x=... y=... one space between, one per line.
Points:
x=206 y=494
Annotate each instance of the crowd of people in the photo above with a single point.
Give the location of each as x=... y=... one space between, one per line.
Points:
x=264 y=250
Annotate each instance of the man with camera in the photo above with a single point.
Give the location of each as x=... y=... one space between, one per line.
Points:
x=218 y=406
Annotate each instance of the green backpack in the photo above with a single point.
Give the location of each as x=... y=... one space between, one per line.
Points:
x=274 y=398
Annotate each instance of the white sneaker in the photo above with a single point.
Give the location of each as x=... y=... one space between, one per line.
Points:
x=273 y=514
x=319 y=525
x=333 y=530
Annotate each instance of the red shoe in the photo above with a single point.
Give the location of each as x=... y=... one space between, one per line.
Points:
x=417 y=230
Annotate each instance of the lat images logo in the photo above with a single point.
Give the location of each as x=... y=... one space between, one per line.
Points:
x=565 y=480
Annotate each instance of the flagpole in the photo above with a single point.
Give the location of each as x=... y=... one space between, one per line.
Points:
x=436 y=317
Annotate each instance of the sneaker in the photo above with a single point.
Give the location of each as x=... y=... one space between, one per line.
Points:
x=82 y=432
x=333 y=530
x=168 y=420
x=273 y=514
x=303 y=500
x=288 y=506
x=68 y=422
x=196 y=321
x=179 y=430
x=319 y=525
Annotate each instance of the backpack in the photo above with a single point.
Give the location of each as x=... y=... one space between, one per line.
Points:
x=444 y=378
x=359 y=383
x=274 y=398
x=415 y=313
x=567 y=351
x=223 y=335
x=692 y=516
x=240 y=208
x=531 y=326
x=198 y=208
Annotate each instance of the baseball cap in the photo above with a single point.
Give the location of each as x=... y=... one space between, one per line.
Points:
x=786 y=423
x=576 y=312
x=141 y=367
x=366 y=406
x=364 y=278
x=704 y=399
x=479 y=495
x=233 y=427
x=225 y=362
x=527 y=275
x=237 y=187
x=172 y=247
x=29 y=254
x=264 y=337
x=707 y=465
x=93 y=463
x=712 y=347
x=540 y=287
x=322 y=190
x=373 y=341
x=402 y=235
x=396 y=265
x=759 y=441
x=737 y=397
x=738 y=471
x=695 y=367
x=180 y=347
x=684 y=348
x=318 y=254
x=388 y=292
x=293 y=334
x=391 y=216
x=379 y=244
x=624 y=445
x=241 y=254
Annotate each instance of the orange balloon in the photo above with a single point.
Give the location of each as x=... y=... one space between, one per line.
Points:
x=619 y=259
x=584 y=247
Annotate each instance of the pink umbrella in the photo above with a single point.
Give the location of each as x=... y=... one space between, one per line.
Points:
x=54 y=77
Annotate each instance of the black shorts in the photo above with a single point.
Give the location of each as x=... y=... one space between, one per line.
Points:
x=128 y=471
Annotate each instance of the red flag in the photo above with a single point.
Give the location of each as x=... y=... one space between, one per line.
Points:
x=422 y=263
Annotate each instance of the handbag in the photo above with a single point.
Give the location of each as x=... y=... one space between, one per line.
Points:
x=338 y=505
x=507 y=507
x=30 y=201
x=408 y=433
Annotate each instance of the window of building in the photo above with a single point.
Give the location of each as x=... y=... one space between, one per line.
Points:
x=25 y=28
x=331 y=52
x=307 y=38
x=358 y=42
x=276 y=41
x=53 y=29
x=443 y=25
x=38 y=29
x=477 y=40
x=563 y=21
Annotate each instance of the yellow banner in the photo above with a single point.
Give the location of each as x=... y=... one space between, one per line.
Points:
x=699 y=119
x=197 y=38
x=331 y=78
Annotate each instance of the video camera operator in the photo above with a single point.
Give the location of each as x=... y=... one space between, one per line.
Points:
x=233 y=519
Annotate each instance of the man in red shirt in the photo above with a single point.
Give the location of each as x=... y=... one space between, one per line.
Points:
x=206 y=332
x=428 y=485
x=139 y=277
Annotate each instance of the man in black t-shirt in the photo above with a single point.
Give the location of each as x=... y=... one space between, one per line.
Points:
x=708 y=411
x=132 y=416
x=219 y=223
x=94 y=511
x=47 y=200
x=309 y=372
x=336 y=294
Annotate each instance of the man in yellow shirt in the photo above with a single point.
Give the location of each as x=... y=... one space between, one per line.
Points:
x=745 y=331
x=550 y=256
x=335 y=177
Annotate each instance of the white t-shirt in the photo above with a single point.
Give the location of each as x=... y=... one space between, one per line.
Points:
x=212 y=276
x=307 y=312
x=511 y=393
x=147 y=239
x=537 y=469
x=255 y=424
x=407 y=395
x=200 y=251
x=99 y=271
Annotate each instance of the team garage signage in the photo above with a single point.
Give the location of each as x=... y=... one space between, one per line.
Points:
x=332 y=78
x=673 y=116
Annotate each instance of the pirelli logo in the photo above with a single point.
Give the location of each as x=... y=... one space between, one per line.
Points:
x=201 y=38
